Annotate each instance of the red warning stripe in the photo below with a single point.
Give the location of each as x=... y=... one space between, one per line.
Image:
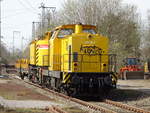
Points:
x=43 y=46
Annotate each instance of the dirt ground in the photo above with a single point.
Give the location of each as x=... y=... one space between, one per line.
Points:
x=16 y=97
x=12 y=91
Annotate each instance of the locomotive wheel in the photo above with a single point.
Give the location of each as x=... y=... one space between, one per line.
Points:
x=67 y=90
x=114 y=85
x=106 y=91
x=71 y=92
x=63 y=90
x=22 y=76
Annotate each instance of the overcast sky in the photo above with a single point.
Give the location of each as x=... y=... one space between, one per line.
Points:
x=18 y=15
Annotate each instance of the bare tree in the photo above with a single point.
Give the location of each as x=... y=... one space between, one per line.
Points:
x=119 y=22
x=146 y=38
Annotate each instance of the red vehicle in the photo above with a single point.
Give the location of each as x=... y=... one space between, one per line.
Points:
x=132 y=69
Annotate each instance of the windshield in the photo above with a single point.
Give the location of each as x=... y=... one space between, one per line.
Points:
x=91 y=31
x=64 y=32
x=132 y=61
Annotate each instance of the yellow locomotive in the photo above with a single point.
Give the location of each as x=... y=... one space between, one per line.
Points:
x=73 y=59
x=22 y=66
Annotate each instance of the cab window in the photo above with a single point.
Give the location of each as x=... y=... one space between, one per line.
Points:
x=64 y=32
x=132 y=61
x=91 y=31
x=53 y=34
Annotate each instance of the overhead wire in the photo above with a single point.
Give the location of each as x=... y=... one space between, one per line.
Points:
x=18 y=11
x=9 y=26
x=22 y=12
x=30 y=4
x=25 y=6
x=28 y=8
x=12 y=10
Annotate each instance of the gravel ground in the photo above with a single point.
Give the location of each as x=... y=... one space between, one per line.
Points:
x=25 y=103
x=113 y=108
x=138 y=85
x=132 y=92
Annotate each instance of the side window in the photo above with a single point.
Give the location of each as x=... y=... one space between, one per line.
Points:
x=64 y=32
x=51 y=33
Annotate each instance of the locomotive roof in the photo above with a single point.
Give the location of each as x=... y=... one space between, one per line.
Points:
x=73 y=26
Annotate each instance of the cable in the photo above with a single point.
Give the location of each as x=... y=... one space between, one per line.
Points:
x=12 y=10
x=24 y=5
x=23 y=12
x=30 y=4
x=12 y=27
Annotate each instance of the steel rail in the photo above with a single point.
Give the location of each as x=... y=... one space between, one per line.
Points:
x=56 y=109
x=81 y=102
x=125 y=106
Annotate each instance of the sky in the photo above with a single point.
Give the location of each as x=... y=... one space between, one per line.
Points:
x=18 y=15
x=142 y=6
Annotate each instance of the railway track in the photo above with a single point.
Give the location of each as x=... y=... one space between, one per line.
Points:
x=125 y=106
x=55 y=109
x=89 y=105
x=83 y=103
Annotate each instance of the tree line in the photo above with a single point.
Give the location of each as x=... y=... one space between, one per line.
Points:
x=118 y=21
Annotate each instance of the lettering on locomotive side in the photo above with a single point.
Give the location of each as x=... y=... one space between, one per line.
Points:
x=89 y=42
x=91 y=50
